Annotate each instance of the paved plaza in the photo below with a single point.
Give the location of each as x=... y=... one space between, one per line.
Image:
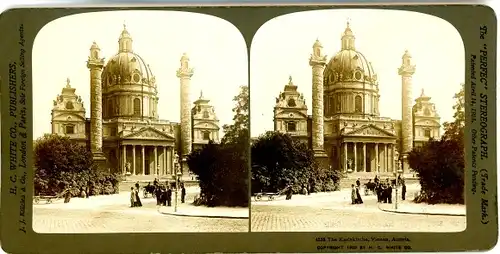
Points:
x=109 y=214
x=334 y=212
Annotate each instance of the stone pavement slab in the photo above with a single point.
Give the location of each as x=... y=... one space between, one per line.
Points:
x=208 y=212
x=425 y=209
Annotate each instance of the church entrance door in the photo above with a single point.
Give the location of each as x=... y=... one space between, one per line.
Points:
x=147 y=166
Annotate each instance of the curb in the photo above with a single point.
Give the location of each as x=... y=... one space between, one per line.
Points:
x=202 y=215
x=419 y=213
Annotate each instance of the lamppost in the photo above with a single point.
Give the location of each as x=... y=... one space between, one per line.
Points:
x=397 y=186
x=176 y=178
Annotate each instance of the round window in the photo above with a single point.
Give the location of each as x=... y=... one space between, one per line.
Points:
x=137 y=78
x=357 y=75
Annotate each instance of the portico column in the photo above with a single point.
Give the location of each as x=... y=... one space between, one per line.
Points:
x=164 y=170
x=364 y=157
x=155 y=161
x=376 y=158
x=169 y=160
x=385 y=158
x=133 y=159
x=355 y=158
x=143 y=159
x=392 y=159
x=345 y=156
x=124 y=159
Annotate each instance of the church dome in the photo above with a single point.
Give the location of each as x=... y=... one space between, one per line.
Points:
x=126 y=66
x=349 y=64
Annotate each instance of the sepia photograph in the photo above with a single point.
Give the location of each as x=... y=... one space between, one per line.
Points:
x=357 y=123
x=141 y=124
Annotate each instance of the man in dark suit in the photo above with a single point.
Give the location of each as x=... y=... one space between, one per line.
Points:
x=183 y=193
x=169 y=196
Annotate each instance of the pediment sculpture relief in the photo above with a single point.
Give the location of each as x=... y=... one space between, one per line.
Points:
x=149 y=134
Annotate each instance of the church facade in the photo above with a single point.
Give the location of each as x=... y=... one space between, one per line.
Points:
x=124 y=131
x=346 y=130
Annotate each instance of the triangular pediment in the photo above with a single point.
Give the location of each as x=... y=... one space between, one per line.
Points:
x=149 y=133
x=370 y=131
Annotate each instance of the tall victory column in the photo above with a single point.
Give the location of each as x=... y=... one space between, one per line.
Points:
x=406 y=71
x=318 y=61
x=95 y=64
x=184 y=73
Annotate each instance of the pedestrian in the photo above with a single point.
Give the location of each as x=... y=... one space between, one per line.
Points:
x=376 y=179
x=359 y=200
x=155 y=182
x=132 y=197
x=403 y=191
x=389 y=194
x=384 y=193
x=163 y=196
x=158 y=195
x=169 y=196
x=183 y=194
x=137 y=186
x=358 y=182
x=289 y=192
x=137 y=199
x=353 y=194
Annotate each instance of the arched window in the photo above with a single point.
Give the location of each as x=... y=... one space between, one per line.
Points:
x=70 y=129
x=291 y=103
x=358 y=104
x=291 y=126
x=205 y=114
x=69 y=105
x=137 y=107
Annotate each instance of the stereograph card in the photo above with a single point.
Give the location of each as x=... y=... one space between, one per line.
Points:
x=284 y=128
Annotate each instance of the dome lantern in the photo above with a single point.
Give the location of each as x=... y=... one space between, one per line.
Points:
x=125 y=41
x=348 y=38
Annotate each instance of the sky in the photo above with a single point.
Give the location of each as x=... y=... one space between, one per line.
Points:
x=282 y=47
x=216 y=49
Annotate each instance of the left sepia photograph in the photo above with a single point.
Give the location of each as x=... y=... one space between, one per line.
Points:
x=138 y=119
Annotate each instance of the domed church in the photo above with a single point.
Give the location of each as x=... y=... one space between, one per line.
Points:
x=124 y=131
x=346 y=130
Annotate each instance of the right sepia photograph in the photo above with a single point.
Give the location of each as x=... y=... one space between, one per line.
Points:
x=357 y=123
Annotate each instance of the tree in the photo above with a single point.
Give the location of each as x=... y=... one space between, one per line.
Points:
x=222 y=169
x=62 y=164
x=241 y=120
x=440 y=164
x=278 y=161
x=455 y=130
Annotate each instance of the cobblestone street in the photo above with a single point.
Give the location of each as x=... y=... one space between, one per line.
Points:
x=119 y=217
x=335 y=213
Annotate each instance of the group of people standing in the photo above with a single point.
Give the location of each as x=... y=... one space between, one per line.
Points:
x=383 y=190
x=163 y=193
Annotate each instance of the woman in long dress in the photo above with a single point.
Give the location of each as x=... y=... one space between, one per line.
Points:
x=132 y=197
x=359 y=200
x=137 y=199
